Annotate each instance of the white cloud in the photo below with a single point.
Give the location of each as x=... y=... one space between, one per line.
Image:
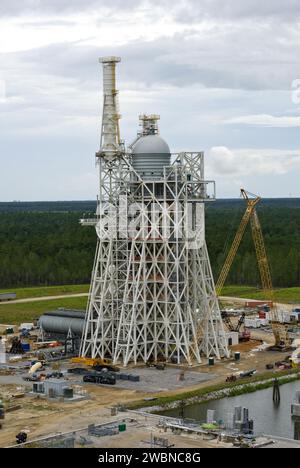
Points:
x=198 y=64
x=235 y=163
x=266 y=120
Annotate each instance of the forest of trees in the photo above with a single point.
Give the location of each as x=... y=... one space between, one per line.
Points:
x=42 y=243
x=280 y=221
x=44 y=249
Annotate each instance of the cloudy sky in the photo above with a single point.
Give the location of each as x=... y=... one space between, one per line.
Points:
x=223 y=75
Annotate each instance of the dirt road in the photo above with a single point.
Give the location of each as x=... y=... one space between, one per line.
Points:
x=43 y=298
x=237 y=300
x=242 y=300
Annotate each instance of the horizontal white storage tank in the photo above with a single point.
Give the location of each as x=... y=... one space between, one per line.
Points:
x=61 y=325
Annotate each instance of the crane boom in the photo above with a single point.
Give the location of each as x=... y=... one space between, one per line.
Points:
x=279 y=329
x=282 y=339
x=251 y=204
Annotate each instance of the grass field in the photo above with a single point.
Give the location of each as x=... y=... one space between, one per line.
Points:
x=41 y=291
x=17 y=313
x=26 y=312
x=249 y=292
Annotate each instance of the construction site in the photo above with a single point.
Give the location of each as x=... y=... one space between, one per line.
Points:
x=157 y=333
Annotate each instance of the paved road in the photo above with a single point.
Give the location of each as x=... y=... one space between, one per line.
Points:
x=43 y=298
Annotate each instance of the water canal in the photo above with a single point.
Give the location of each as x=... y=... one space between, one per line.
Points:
x=268 y=418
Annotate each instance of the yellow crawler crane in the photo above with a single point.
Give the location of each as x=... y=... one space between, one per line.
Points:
x=90 y=361
x=282 y=340
x=94 y=362
x=251 y=204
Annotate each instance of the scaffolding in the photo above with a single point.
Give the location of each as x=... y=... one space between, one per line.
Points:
x=152 y=294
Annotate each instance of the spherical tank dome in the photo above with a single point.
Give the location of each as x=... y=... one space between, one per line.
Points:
x=150 y=154
x=151 y=144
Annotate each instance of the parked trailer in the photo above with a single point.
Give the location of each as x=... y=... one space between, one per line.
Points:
x=254 y=303
x=10 y=296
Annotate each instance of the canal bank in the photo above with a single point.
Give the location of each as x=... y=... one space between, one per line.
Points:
x=215 y=392
x=268 y=417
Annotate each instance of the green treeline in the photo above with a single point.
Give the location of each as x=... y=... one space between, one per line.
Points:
x=281 y=229
x=44 y=249
x=44 y=244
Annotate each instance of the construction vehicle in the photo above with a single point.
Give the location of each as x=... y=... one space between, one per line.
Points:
x=248 y=373
x=157 y=365
x=231 y=378
x=280 y=332
x=240 y=375
x=21 y=437
x=95 y=363
x=243 y=335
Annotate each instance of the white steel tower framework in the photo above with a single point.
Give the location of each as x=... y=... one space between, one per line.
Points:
x=152 y=293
